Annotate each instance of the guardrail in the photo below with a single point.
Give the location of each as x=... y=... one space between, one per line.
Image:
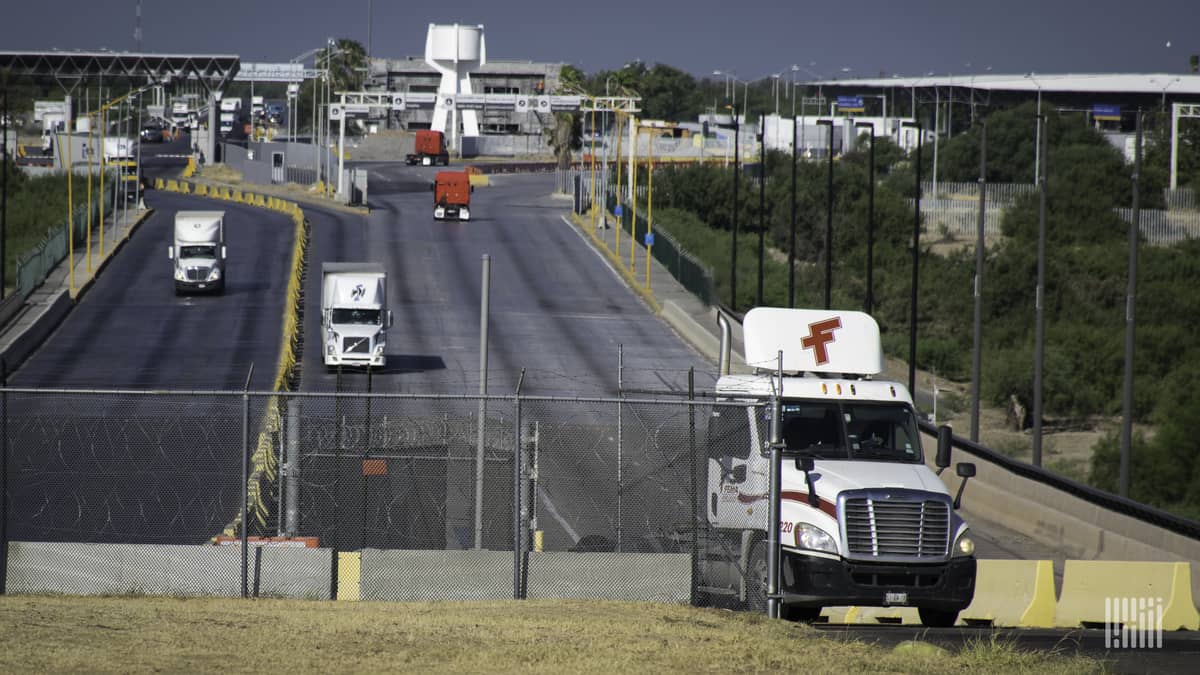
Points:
x=1101 y=498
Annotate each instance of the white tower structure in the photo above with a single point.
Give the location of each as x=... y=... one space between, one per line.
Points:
x=454 y=50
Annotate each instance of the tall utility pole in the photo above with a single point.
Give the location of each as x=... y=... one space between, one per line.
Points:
x=829 y=219
x=762 y=200
x=916 y=262
x=1130 y=297
x=870 y=303
x=1039 y=331
x=733 y=245
x=977 y=347
x=792 y=238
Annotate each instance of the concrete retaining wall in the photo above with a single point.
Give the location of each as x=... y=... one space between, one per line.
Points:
x=435 y=575
x=646 y=577
x=160 y=569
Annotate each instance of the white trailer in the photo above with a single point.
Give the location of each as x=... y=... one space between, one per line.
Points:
x=863 y=520
x=199 y=251
x=354 y=314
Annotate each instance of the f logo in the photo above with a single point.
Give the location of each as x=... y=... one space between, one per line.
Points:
x=359 y=291
x=819 y=334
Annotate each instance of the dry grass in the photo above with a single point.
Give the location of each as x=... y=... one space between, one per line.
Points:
x=128 y=635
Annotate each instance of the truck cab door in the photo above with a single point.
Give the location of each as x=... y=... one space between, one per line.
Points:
x=737 y=472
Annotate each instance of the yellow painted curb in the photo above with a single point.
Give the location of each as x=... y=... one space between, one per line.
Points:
x=1092 y=590
x=349 y=587
x=1012 y=593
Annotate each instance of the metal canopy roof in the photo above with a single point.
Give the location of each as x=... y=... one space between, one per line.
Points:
x=1125 y=83
x=213 y=70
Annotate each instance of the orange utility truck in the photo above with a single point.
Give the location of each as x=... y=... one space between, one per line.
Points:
x=429 y=149
x=452 y=195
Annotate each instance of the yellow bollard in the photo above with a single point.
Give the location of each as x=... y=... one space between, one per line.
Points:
x=158 y=183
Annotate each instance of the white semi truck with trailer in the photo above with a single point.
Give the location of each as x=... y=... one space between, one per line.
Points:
x=863 y=520
x=354 y=314
x=198 y=251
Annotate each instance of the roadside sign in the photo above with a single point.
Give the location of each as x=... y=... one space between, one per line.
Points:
x=850 y=104
x=1107 y=112
x=618 y=211
x=649 y=238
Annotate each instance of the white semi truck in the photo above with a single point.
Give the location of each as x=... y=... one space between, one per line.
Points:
x=863 y=520
x=354 y=314
x=198 y=251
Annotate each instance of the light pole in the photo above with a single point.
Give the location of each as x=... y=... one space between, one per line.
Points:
x=1039 y=333
x=1130 y=295
x=792 y=237
x=870 y=219
x=916 y=259
x=977 y=339
x=733 y=246
x=1037 y=143
x=762 y=202
x=829 y=219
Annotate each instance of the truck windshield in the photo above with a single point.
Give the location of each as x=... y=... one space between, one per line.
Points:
x=367 y=317
x=204 y=251
x=851 y=431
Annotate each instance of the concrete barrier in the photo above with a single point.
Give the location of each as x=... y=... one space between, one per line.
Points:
x=1090 y=586
x=39 y=330
x=349 y=576
x=305 y=573
x=647 y=577
x=435 y=575
x=1012 y=593
x=124 y=569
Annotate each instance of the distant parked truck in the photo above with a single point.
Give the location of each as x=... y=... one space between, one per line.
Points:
x=354 y=314
x=452 y=195
x=199 y=251
x=429 y=149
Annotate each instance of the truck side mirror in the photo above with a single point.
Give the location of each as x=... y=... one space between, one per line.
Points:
x=806 y=463
x=390 y=318
x=432 y=187
x=472 y=188
x=170 y=253
x=965 y=470
x=223 y=253
x=943 y=448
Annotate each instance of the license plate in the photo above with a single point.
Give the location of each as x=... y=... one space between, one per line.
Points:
x=895 y=599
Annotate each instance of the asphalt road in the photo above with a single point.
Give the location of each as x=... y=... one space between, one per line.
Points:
x=148 y=467
x=556 y=311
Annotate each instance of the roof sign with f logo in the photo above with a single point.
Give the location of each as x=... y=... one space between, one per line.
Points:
x=820 y=334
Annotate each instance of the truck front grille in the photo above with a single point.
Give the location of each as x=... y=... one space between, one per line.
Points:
x=897 y=528
x=197 y=273
x=357 y=345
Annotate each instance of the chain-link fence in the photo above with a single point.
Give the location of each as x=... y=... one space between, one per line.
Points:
x=375 y=496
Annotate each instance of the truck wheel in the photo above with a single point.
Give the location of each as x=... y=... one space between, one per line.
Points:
x=756 y=578
x=937 y=618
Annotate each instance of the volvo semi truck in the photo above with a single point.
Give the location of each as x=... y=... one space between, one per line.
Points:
x=354 y=314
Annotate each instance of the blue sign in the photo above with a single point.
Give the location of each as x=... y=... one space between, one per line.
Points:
x=649 y=238
x=1106 y=111
x=850 y=104
x=617 y=210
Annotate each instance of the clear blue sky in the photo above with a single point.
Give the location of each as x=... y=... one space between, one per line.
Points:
x=751 y=37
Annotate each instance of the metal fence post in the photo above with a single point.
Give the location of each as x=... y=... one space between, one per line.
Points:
x=695 y=495
x=483 y=359
x=3 y=476
x=518 y=544
x=773 y=507
x=292 y=469
x=246 y=480
x=620 y=395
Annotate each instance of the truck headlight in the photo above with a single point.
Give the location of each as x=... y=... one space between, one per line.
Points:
x=180 y=275
x=214 y=274
x=379 y=349
x=965 y=546
x=814 y=538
